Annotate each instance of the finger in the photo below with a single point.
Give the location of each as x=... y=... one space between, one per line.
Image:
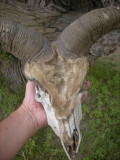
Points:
x=30 y=89
x=87 y=84
x=84 y=96
x=85 y=93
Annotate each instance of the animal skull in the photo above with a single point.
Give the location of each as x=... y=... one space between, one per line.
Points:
x=71 y=126
x=61 y=99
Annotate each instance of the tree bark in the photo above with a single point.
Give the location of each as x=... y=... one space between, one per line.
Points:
x=54 y=5
x=65 y=5
x=107 y=3
x=10 y=70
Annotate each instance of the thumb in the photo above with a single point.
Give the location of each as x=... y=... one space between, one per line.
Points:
x=30 y=90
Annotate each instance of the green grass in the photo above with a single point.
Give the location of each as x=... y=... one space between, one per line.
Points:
x=9 y=100
x=101 y=137
x=100 y=124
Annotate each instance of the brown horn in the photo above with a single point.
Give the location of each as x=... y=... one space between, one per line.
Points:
x=23 y=42
x=77 y=39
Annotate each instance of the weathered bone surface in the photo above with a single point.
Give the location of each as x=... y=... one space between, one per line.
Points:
x=70 y=126
x=61 y=73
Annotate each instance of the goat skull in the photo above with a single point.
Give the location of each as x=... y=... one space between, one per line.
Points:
x=61 y=99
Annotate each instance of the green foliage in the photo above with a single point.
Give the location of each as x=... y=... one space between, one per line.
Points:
x=100 y=124
x=42 y=146
x=101 y=139
x=9 y=100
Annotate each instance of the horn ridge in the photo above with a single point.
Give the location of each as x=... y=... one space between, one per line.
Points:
x=44 y=54
x=65 y=52
x=22 y=41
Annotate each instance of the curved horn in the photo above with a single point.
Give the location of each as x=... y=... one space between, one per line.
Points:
x=77 y=38
x=23 y=42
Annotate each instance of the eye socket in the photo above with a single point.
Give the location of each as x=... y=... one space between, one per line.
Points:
x=37 y=87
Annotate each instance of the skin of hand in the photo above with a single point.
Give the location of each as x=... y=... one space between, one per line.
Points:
x=85 y=92
x=33 y=106
x=23 y=123
x=20 y=125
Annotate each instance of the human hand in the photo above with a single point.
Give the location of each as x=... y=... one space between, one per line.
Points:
x=36 y=108
x=85 y=92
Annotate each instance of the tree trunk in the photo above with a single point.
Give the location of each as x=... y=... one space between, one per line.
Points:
x=10 y=70
x=107 y=3
x=54 y=5
x=65 y=5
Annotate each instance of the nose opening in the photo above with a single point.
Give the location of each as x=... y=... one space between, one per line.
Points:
x=71 y=144
x=68 y=130
x=75 y=139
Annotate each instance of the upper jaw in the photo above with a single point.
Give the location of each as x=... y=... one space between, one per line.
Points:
x=65 y=128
